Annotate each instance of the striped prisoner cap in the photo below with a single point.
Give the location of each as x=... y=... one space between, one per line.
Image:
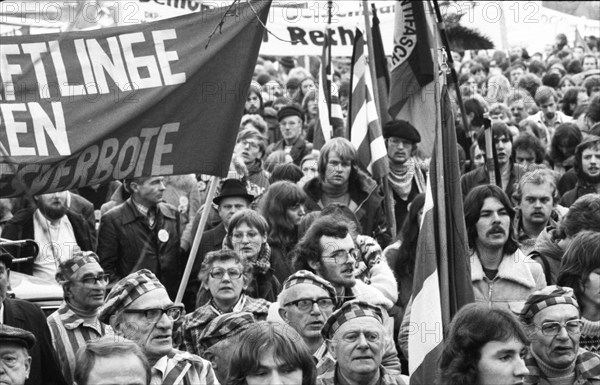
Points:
x=71 y=266
x=307 y=277
x=546 y=297
x=348 y=311
x=128 y=290
x=224 y=326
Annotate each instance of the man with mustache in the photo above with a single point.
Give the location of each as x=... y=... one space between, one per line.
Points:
x=549 y=116
x=139 y=309
x=537 y=196
x=76 y=320
x=510 y=172
x=501 y=274
x=58 y=231
x=587 y=166
x=552 y=318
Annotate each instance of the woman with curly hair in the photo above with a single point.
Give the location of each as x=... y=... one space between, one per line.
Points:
x=283 y=208
x=580 y=270
x=271 y=353
x=485 y=346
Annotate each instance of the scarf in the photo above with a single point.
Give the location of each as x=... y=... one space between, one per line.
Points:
x=401 y=178
x=335 y=194
x=261 y=264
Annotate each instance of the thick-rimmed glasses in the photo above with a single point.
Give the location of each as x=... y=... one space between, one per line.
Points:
x=306 y=304
x=219 y=273
x=342 y=256
x=89 y=281
x=173 y=312
x=554 y=328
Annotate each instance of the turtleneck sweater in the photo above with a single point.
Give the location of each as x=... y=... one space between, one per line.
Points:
x=590 y=335
x=555 y=376
x=89 y=316
x=335 y=194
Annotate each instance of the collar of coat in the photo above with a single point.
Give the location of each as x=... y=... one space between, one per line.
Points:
x=132 y=213
x=511 y=269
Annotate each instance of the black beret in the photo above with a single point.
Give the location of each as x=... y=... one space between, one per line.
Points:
x=290 y=110
x=401 y=129
x=17 y=336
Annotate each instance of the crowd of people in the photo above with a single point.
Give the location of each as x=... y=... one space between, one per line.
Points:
x=298 y=278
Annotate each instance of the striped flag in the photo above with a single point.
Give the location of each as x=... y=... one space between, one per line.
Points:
x=382 y=71
x=331 y=118
x=442 y=277
x=364 y=127
x=412 y=88
x=580 y=41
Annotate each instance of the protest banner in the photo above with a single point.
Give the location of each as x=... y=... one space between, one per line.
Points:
x=160 y=98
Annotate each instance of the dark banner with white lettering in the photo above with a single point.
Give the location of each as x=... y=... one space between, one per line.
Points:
x=161 y=98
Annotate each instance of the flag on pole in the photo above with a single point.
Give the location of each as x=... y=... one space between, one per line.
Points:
x=382 y=71
x=364 y=127
x=580 y=41
x=442 y=277
x=331 y=118
x=411 y=87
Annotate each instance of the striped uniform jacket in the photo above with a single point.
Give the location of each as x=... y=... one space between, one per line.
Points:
x=183 y=368
x=69 y=333
x=587 y=369
x=193 y=324
x=330 y=378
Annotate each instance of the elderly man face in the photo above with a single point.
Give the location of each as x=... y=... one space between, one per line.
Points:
x=358 y=347
x=148 y=321
x=14 y=363
x=555 y=335
x=229 y=206
x=306 y=308
x=87 y=287
x=148 y=192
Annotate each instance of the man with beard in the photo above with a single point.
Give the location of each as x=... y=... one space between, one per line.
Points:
x=537 y=196
x=76 y=320
x=587 y=166
x=510 y=172
x=549 y=115
x=405 y=178
x=143 y=232
x=500 y=272
x=56 y=229
x=254 y=102
x=552 y=319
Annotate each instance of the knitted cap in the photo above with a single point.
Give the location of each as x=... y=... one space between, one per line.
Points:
x=546 y=297
x=349 y=310
x=306 y=277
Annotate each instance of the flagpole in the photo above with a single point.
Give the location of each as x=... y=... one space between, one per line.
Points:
x=450 y=61
x=214 y=181
x=440 y=204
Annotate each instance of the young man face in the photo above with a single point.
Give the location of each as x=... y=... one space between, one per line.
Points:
x=399 y=149
x=502 y=362
x=503 y=149
x=53 y=205
x=252 y=103
x=590 y=161
x=337 y=261
x=589 y=63
x=556 y=350
x=273 y=370
x=518 y=111
x=524 y=157
x=493 y=224
x=548 y=108
x=337 y=171
x=248 y=149
x=537 y=202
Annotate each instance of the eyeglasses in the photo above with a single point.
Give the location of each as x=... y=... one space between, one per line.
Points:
x=307 y=304
x=253 y=145
x=554 y=328
x=353 y=336
x=219 y=273
x=342 y=256
x=89 y=281
x=173 y=312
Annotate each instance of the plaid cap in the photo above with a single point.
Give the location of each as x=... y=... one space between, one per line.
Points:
x=348 y=311
x=307 y=277
x=16 y=335
x=546 y=297
x=80 y=259
x=128 y=290
x=224 y=326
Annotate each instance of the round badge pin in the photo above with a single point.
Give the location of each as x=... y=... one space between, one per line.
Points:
x=163 y=235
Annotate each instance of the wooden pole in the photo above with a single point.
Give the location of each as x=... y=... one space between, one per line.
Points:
x=214 y=182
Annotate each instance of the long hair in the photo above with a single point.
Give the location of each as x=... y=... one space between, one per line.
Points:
x=474 y=203
x=474 y=326
x=287 y=346
x=566 y=133
x=579 y=260
x=409 y=235
x=309 y=249
x=344 y=150
x=278 y=198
